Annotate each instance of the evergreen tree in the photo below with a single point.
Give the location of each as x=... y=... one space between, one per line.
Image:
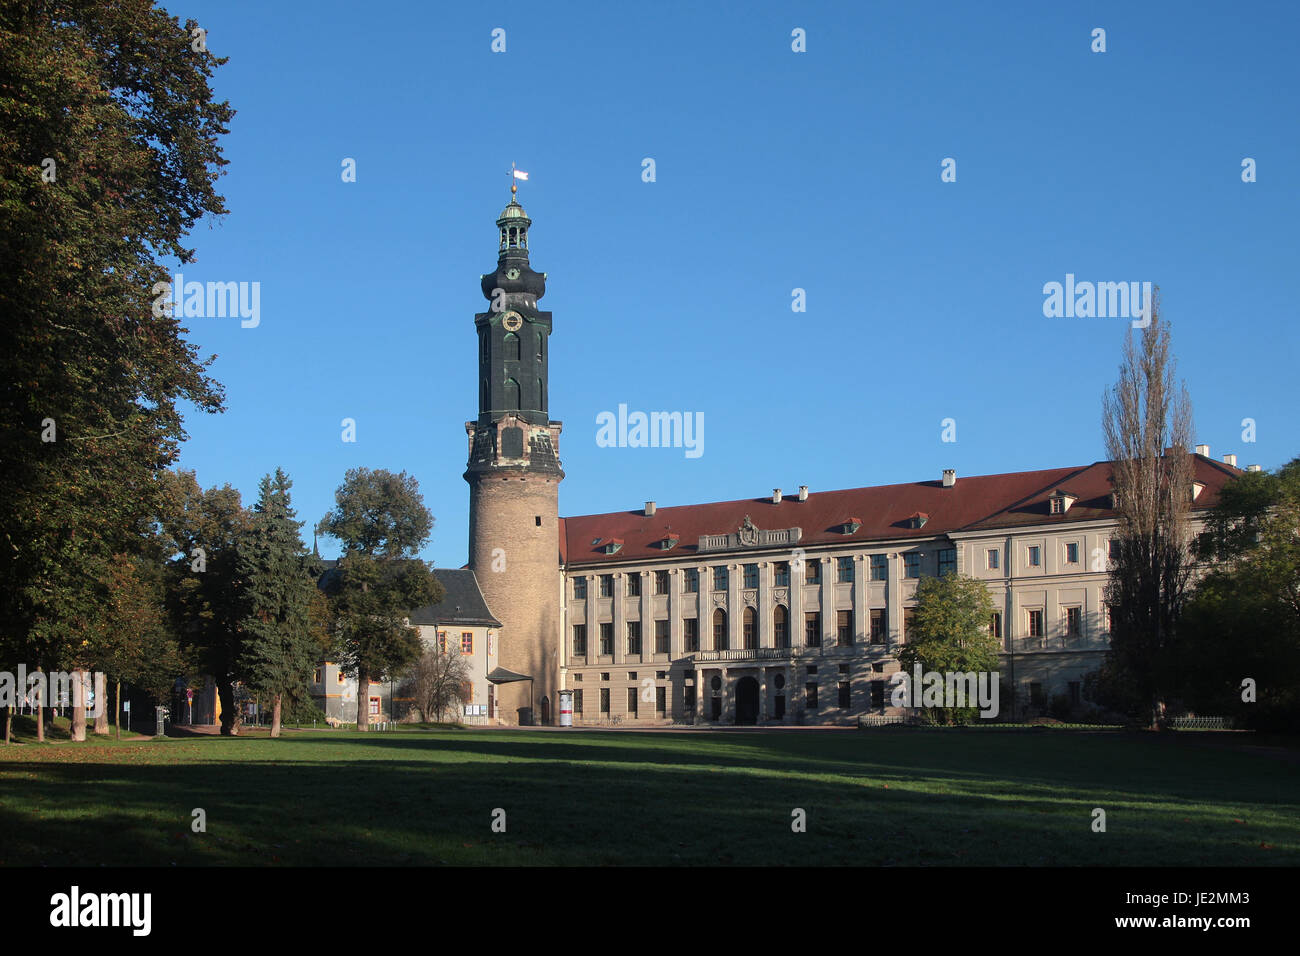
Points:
x=280 y=647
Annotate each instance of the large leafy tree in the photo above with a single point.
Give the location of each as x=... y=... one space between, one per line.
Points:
x=203 y=529
x=950 y=634
x=1147 y=421
x=109 y=156
x=1242 y=622
x=380 y=519
x=280 y=645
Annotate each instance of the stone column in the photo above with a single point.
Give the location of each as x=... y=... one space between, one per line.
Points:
x=828 y=603
x=728 y=714
x=763 y=709
x=861 y=614
x=674 y=614
x=593 y=621
x=894 y=602
x=735 y=609
x=620 y=621
x=763 y=606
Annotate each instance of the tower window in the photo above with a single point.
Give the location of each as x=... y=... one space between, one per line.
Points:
x=538 y=519
x=512 y=347
x=511 y=393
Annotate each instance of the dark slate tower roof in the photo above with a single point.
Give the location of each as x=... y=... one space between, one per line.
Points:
x=462 y=602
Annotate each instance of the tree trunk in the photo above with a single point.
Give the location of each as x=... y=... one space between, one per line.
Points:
x=9 y=723
x=79 y=705
x=363 y=701
x=40 y=713
x=117 y=711
x=275 y=715
x=229 y=713
x=101 y=705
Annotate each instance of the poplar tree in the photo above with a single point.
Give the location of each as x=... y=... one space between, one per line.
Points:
x=280 y=647
x=1147 y=422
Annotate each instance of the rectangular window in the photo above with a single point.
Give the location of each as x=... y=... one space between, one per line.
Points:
x=606 y=638
x=1113 y=548
x=844 y=570
x=995 y=625
x=661 y=582
x=879 y=567
x=316 y=678
x=720 y=637
x=780 y=628
x=1075 y=692
x=1072 y=553
x=912 y=564
x=633 y=696
x=748 y=630
x=846 y=695
x=947 y=561
x=634 y=637
x=812 y=628
x=442 y=642
x=661 y=700
x=577 y=701
x=844 y=628
x=691 y=633
x=1036 y=694
x=720 y=579
x=661 y=637
x=691 y=580
x=812 y=571
x=604 y=700
x=751 y=575
x=1035 y=622
x=634 y=584
x=374 y=706
x=607 y=585
x=878 y=625
x=810 y=696
x=1035 y=558
x=579 y=589
x=781 y=574
x=1073 y=621
x=580 y=640
x=467 y=643
x=991 y=559
x=909 y=622
x=877 y=693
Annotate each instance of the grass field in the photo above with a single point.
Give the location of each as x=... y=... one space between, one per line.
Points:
x=886 y=797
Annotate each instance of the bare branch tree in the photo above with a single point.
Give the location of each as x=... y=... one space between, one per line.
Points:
x=438 y=681
x=1147 y=422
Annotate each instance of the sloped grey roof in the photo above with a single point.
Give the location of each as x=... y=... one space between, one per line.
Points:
x=463 y=602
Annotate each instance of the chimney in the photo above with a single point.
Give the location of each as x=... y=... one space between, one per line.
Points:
x=1253 y=468
x=776 y=496
x=649 y=508
x=803 y=492
x=1203 y=451
x=1230 y=460
x=949 y=477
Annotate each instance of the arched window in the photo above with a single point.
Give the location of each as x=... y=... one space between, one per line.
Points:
x=719 y=630
x=512 y=347
x=503 y=237
x=512 y=394
x=749 y=628
x=541 y=394
x=781 y=626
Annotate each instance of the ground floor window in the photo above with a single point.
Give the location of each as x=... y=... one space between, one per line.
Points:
x=810 y=696
x=846 y=694
x=661 y=700
x=577 y=702
x=877 y=693
x=632 y=698
x=604 y=700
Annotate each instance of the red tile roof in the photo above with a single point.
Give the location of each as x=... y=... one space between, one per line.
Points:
x=974 y=503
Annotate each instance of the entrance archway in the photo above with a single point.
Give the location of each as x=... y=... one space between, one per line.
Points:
x=546 y=711
x=747 y=701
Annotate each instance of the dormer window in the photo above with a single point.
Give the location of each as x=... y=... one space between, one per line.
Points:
x=1059 y=502
x=917 y=519
x=850 y=525
x=613 y=546
x=1197 y=488
x=668 y=542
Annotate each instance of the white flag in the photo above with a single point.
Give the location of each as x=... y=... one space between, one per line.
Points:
x=520 y=174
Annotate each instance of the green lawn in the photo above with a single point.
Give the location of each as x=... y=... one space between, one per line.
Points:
x=892 y=797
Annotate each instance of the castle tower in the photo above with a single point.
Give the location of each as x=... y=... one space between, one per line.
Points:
x=514 y=477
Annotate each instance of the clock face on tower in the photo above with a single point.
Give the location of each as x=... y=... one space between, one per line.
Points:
x=512 y=321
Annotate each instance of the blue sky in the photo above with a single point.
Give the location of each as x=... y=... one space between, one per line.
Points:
x=775 y=170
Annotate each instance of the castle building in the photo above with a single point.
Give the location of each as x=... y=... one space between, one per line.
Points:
x=780 y=609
